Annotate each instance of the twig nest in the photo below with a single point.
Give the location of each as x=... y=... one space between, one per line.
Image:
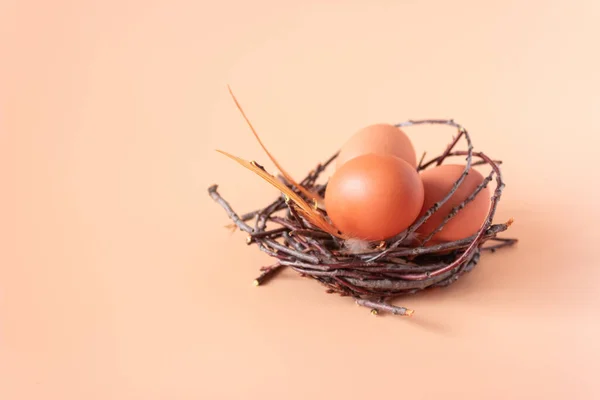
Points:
x=374 y=271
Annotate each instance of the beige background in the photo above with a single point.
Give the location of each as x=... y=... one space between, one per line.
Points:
x=117 y=279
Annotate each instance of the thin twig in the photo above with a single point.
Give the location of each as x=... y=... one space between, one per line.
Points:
x=268 y=274
x=274 y=233
x=377 y=306
x=212 y=191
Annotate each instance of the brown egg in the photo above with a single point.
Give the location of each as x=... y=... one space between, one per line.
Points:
x=378 y=139
x=437 y=183
x=374 y=196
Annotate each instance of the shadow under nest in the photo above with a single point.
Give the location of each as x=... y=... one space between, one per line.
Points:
x=384 y=270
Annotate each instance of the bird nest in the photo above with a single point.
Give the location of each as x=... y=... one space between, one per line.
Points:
x=375 y=273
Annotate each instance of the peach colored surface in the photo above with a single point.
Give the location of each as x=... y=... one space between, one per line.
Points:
x=118 y=281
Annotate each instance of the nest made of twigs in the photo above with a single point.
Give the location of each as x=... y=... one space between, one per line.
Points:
x=382 y=270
